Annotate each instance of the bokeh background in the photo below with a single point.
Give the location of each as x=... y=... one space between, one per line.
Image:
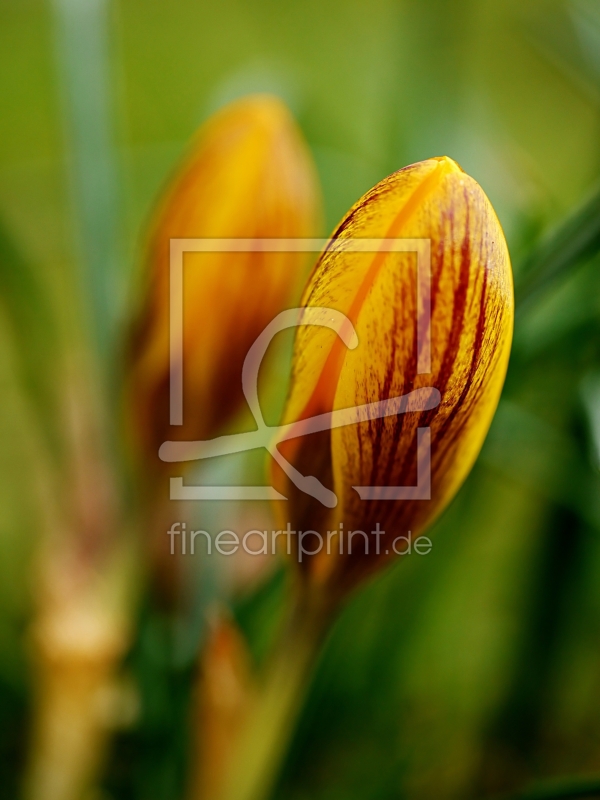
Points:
x=468 y=673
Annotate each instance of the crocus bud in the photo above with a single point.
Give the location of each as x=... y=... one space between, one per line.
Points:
x=451 y=365
x=248 y=175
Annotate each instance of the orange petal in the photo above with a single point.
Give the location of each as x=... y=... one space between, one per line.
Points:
x=471 y=332
x=248 y=175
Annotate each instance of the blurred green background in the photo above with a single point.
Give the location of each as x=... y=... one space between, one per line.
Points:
x=468 y=673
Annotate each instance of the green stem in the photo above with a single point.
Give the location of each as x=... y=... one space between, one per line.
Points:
x=266 y=738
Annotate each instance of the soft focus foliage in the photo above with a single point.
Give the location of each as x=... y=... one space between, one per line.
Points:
x=464 y=673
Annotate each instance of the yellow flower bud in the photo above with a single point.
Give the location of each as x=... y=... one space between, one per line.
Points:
x=467 y=340
x=248 y=175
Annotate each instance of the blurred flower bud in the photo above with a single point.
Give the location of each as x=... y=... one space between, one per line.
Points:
x=456 y=358
x=226 y=692
x=249 y=175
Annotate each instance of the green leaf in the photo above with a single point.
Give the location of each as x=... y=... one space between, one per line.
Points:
x=575 y=241
x=34 y=333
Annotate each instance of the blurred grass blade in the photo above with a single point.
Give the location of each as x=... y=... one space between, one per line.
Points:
x=573 y=242
x=83 y=52
x=590 y=392
x=35 y=337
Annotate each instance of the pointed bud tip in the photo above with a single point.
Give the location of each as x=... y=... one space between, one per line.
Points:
x=266 y=111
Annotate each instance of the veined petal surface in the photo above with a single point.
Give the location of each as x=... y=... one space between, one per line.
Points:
x=471 y=304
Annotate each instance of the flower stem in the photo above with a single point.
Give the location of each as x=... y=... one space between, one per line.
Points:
x=265 y=741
